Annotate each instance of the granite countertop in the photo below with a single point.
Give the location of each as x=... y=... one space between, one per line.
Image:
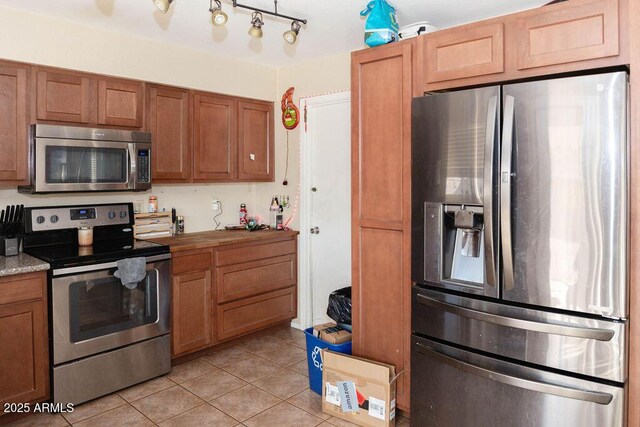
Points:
x=21 y=263
x=207 y=239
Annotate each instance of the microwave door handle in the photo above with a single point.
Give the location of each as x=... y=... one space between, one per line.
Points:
x=506 y=177
x=130 y=169
x=527 y=384
x=489 y=257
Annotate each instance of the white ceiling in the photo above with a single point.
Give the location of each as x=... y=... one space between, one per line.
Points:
x=333 y=25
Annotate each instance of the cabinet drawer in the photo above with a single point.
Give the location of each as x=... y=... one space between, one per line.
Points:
x=468 y=51
x=569 y=34
x=252 y=278
x=248 y=315
x=24 y=287
x=190 y=261
x=254 y=252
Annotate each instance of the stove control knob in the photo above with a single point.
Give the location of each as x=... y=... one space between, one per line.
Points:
x=40 y=219
x=54 y=218
x=111 y=214
x=123 y=214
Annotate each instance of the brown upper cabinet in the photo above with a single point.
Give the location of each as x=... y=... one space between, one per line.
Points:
x=569 y=34
x=255 y=141
x=63 y=97
x=211 y=138
x=475 y=50
x=169 y=120
x=13 y=122
x=214 y=138
x=558 y=38
x=85 y=99
x=120 y=103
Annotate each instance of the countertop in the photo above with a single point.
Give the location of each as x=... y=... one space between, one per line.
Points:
x=208 y=239
x=21 y=263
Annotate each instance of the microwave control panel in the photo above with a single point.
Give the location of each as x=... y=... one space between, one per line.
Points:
x=143 y=166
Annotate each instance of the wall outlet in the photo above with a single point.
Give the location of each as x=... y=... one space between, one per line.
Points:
x=215 y=205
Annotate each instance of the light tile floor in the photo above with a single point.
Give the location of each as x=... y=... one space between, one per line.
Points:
x=260 y=381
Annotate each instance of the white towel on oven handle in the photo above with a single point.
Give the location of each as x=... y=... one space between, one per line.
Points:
x=131 y=271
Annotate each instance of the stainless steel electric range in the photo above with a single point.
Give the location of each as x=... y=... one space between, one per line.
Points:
x=104 y=336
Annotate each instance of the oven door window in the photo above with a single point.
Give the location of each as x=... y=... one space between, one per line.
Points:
x=85 y=165
x=104 y=306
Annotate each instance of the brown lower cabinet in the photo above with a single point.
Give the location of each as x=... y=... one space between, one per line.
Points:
x=223 y=292
x=24 y=354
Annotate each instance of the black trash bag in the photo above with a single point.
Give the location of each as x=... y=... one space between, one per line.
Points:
x=339 y=308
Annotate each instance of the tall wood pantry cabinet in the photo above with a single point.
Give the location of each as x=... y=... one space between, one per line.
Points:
x=382 y=88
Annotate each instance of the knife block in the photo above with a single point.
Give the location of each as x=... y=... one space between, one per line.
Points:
x=9 y=246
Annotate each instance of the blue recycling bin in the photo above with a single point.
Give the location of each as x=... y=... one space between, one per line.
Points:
x=314 y=357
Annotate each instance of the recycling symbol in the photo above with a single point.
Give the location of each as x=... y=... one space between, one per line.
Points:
x=316 y=356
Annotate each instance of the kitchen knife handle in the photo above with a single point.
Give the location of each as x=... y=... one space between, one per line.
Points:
x=505 y=191
x=490 y=142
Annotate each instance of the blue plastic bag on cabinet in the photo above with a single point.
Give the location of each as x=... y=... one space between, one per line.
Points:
x=381 y=26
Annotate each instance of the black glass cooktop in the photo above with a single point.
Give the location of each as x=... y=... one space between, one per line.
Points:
x=68 y=255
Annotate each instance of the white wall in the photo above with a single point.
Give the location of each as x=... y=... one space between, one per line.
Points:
x=317 y=77
x=38 y=39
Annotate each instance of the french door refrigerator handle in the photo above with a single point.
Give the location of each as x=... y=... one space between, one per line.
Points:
x=490 y=141
x=512 y=322
x=505 y=191
x=540 y=387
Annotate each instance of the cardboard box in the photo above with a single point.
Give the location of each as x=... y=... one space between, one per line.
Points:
x=358 y=390
x=331 y=333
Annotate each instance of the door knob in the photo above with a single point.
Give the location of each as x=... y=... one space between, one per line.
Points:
x=314 y=189
x=315 y=230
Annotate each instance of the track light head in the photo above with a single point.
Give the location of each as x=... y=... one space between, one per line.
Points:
x=256 y=25
x=162 y=5
x=292 y=35
x=218 y=17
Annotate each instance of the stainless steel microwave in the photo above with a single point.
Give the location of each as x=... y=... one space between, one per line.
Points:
x=73 y=159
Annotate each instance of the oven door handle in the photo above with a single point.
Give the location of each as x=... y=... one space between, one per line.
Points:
x=103 y=266
x=540 y=387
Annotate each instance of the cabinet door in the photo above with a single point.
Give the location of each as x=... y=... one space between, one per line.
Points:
x=214 y=138
x=381 y=207
x=13 y=122
x=63 y=97
x=169 y=122
x=468 y=51
x=255 y=141
x=120 y=103
x=23 y=353
x=568 y=34
x=191 y=312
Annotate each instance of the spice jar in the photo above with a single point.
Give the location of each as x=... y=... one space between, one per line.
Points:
x=85 y=236
x=153 y=204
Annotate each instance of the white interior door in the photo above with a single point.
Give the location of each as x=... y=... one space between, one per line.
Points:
x=325 y=203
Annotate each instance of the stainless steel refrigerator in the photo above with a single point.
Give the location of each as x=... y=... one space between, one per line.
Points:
x=519 y=254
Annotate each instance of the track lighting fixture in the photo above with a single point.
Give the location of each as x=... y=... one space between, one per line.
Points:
x=292 y=35
x=256 y=25
x=218 y=17
x=163 y=5
x=256 y=30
